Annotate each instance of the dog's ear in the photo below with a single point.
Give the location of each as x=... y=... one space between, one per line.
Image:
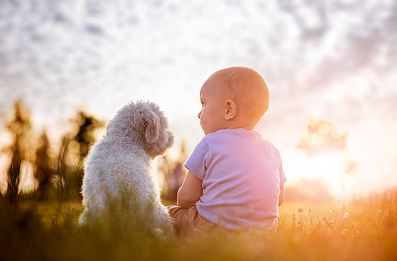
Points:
x=152 y=125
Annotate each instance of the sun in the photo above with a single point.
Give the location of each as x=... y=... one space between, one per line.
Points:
x=329 y=167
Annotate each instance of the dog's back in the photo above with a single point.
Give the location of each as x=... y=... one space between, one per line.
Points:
x=117 y=169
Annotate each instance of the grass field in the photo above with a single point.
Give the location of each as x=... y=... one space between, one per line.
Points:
x=306 y=231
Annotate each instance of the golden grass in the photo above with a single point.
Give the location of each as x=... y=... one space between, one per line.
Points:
x=306 y=231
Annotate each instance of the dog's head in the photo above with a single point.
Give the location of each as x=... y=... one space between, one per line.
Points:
x=145 y=124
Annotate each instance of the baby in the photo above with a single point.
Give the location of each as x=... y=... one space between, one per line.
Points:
x=235 y=179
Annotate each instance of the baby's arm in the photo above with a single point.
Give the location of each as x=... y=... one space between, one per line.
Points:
x=190 y=191
x=281 y=196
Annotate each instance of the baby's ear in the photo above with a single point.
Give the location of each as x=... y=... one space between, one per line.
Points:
x=230 y=109
x=152 y=125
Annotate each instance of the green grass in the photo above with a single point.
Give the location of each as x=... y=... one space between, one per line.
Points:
x=49 y=231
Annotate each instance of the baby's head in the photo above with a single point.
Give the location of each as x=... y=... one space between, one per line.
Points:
x=235 y=97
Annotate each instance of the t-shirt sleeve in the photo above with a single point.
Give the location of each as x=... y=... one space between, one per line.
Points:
x=283 y=178
x=198 y=160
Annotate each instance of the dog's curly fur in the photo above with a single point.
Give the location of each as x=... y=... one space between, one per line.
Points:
x=117 y=169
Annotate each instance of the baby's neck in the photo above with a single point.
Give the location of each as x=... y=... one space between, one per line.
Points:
x=238 y=126
x=241 y=121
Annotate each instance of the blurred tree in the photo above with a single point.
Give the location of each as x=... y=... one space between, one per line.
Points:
x=86 y=126
x=70 y=160
x=316 y=190
x=173 y=172
x=18 y=126
x=62 y=168
x=85 y=138
x=43 y=162
x=321 y=137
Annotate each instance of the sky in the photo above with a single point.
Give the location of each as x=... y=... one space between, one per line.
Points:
x=330 y=59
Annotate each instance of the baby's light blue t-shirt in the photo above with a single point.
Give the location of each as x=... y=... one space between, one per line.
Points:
x=242 y=174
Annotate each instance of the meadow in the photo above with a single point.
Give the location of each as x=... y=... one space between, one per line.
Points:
x=306 y=231
x=43 y=225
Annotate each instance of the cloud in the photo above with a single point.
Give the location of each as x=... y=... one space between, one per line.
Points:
x=335 y=59
x=81 y=52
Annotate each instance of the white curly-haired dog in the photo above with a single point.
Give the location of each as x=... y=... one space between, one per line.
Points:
x=117 y=174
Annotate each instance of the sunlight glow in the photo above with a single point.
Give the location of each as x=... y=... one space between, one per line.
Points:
x=328 y=167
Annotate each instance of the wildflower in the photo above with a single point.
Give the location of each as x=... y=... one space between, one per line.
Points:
x=293 y=222
x=311 y=217
x=346 y=215
x=328 y=223
x=300 y=210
